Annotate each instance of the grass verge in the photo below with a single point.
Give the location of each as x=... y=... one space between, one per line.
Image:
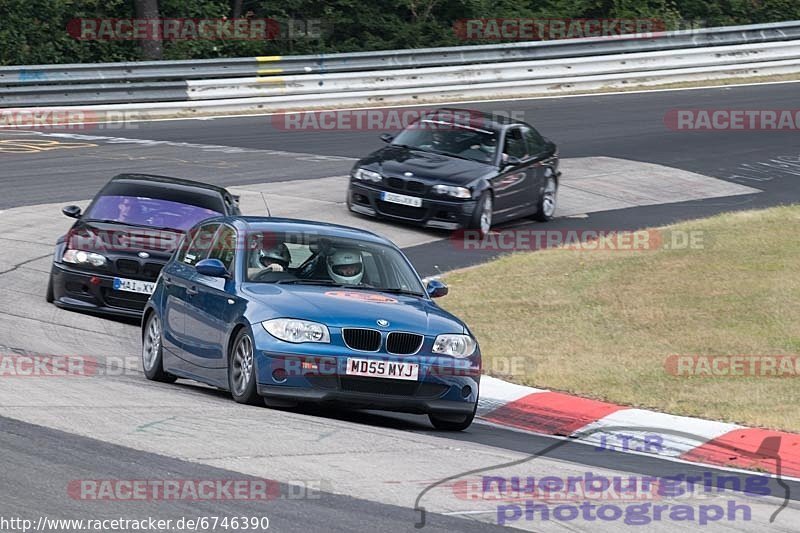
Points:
x=602 y=324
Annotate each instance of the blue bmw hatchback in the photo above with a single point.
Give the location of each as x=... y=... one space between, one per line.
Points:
x=287 y=311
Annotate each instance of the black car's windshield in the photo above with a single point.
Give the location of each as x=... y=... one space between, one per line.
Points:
x=450 y=138
x=147 y=212
x=313 y=259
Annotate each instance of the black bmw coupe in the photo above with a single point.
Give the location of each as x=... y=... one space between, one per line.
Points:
x=109 y=260
x=458 y=168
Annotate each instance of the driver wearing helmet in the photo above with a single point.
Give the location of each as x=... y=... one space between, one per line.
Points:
x=275 y=258
x=346 y=267
x=488 y=145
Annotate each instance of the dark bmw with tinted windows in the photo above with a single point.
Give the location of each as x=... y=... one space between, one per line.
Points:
x=457 y=168
x=109 y=260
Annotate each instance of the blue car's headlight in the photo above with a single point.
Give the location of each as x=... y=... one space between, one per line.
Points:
x=294 y=330
x=455 y=345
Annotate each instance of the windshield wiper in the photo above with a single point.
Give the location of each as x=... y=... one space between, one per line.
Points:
x=399 y=291
x=131 y=224
x=303 y=281
x=327 y=282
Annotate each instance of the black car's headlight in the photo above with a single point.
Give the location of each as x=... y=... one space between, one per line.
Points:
x=455 y=345
x=367 y=175
x=81 y=257
x=451 y=190
x=294 y=330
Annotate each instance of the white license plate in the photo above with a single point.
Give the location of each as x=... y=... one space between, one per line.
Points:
x=401 y=199
x=134 y=285
x=382 y=369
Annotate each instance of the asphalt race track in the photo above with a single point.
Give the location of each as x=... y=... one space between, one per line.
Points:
x=623 y=169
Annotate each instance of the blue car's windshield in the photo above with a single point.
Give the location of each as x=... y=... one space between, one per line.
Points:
x=148 y=212
x=313 y=259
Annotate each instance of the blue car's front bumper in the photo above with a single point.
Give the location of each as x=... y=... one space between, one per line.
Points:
x=317 y=373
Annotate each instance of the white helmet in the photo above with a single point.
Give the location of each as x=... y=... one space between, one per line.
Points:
x=346 y=267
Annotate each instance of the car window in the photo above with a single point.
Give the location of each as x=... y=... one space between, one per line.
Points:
x=202 y=239
x=515 y=144
x=147 y=212
x=309 y=258
x=224 y=247
x=536 y=144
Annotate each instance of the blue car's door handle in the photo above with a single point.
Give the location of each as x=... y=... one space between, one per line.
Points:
x=191 y=291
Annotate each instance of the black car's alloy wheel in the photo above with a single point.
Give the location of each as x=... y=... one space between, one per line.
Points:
x=547 y=200
x=482 y=216
x=242 y=370
x=152 y=351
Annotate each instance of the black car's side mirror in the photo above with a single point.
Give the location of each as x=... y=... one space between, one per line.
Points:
x=72 y=211
x=436 y=288
x=511 y=161
x=387 y=137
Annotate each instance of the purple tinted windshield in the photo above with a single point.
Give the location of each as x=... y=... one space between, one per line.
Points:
x=151 y=212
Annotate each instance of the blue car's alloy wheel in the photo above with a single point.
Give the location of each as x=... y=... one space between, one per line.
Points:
x=242 y=370
x=152 y=351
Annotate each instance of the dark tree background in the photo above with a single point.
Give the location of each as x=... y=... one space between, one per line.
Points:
x=35 y=31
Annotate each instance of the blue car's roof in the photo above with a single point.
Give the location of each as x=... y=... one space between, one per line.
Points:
x=253 y=223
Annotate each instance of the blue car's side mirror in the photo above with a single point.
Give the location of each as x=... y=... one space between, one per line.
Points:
x=387 y=137
x=211 y=267
x=436 y=288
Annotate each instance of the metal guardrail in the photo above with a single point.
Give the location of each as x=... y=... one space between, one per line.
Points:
x=327 y=75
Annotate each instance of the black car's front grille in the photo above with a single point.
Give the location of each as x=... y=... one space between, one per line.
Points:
x=124 y=299
x=150 y=271
x=415 y=186
x=403 y=343
x=145 y=271
x=404 y=211
x=407 y=185
x=395 y=183
x=127 y=267
x=365 y=340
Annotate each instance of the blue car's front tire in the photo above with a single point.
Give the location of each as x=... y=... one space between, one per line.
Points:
x=152 y=351
x=242 y=369
x=453 y=422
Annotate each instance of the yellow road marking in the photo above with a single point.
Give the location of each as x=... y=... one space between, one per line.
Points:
x=32 y=146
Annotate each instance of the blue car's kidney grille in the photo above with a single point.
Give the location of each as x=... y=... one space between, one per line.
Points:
x=364 y=340
x=403 y=343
